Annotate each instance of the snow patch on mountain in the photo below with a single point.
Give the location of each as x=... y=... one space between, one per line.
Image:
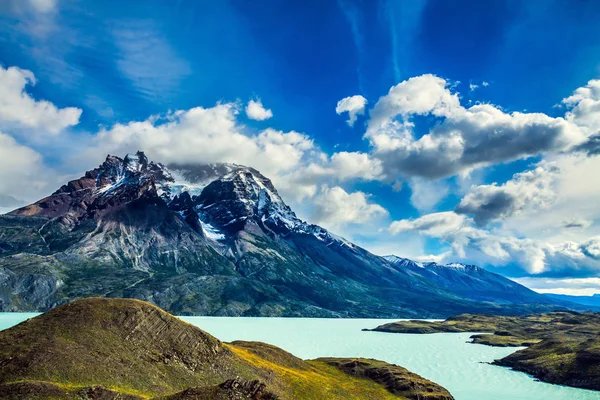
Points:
x=255 y=192
x=403 y=262
x=458 y=266
x=211 y=232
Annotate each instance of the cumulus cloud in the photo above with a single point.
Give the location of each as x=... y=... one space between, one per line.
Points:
x=335 y=208
x=571 y=286
x=255 y=110
x=533 y=190
x=22 y=172
x=464 y=138
x=353 y=105
x=20 y=109
x=436 y=224
x=553 y=202
x=206 y=135
x=538 y=228
x=584 y=106
x=201 y=135
x=584 y=111
x=529 y=256
x=343 y=166
x=591 y=147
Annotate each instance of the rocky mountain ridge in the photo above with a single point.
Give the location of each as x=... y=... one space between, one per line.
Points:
x=218 y=239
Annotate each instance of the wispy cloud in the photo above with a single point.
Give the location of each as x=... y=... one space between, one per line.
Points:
x=352 y=14
x=402 y=19
x=147 y=59
x=28 y=6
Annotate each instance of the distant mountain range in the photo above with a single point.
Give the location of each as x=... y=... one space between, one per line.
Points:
x=591 y=302
x=219 y=240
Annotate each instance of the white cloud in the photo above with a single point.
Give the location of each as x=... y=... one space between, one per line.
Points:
x=22 y=172
x=474 y=86
x=426 y=194
x=531 y=256
x=206 y=135
x=19 y=109
x=464 y=138
x=558 y=204
x=572 y=286
x=418 y=95
x=545 y=219
x=343 y=166
x=584 y=106
x=255 y=110
x=438 y=224
x=201 y=135
x=409 y=246
x=533 y=190
x=335 y=208
x=354 y=106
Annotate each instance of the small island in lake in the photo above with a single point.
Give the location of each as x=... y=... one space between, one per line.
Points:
x=109 y=349
x=561 y=347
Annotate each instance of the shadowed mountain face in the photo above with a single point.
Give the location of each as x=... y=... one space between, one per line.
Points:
x=219 y=240
x=127 y=349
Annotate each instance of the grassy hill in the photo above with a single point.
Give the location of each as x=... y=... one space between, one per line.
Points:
x=128 y=349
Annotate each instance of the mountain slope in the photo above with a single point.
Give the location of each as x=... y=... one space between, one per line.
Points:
x=218 y=240
x=122 y=348
x=469 y=281
x=589 y=302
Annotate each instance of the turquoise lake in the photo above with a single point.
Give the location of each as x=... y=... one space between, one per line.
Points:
x=445 y=358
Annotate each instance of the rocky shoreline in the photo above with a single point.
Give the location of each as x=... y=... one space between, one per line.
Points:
x=561 y=347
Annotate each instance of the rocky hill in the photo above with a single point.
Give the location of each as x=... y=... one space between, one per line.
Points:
x=219 y=240
x=101 y=348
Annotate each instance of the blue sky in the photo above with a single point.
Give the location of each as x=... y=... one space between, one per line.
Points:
x=174 y=78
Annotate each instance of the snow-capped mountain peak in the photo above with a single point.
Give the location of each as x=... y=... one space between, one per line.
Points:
x=130 y=173
x=224 y=230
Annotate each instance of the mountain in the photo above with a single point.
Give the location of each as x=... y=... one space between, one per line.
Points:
x=127 y=349
x=469 y=281
x=590 y=302
x=8 y=203
x=218 y=240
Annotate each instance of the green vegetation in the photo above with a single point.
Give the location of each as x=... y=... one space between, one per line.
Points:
x=396 y=379
x=129 y=349
x=561 y=347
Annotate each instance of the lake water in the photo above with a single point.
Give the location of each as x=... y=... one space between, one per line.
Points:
x=445 y=358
